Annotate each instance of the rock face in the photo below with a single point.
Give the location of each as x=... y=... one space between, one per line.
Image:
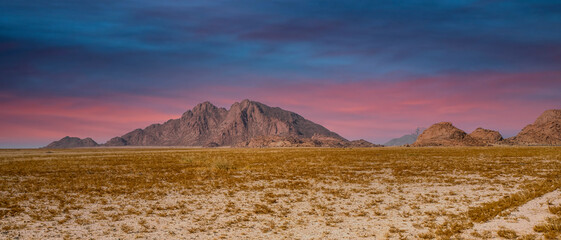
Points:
x=405 y=139
x=72 y=142
x=486 y=136
x=445 y=134
x=246 y=123
x=546 y=130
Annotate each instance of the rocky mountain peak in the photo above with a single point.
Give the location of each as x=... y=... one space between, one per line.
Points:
x=244 y=105
x=204 y=107
x=246 y=102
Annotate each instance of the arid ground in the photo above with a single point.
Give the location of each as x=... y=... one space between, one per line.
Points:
x=289 y=193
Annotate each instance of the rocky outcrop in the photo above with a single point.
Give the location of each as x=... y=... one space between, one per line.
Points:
x=72 y=142
x=546 y=130
x=486 y=136
x=445 y=134
x=244 y=124
x=275 y=141
x=405 y=139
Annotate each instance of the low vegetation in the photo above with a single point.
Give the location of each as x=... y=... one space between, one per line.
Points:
x=396 y=193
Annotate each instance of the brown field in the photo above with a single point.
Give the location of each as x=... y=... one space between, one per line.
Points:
x=295 y=193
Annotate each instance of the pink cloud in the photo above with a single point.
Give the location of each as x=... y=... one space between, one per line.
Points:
x=47 y=119
x=381 y=110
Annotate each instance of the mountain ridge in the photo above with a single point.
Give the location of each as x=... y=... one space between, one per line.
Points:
x=253 y=124
x=245 y=124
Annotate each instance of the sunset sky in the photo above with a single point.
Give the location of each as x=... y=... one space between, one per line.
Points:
x=364 y=69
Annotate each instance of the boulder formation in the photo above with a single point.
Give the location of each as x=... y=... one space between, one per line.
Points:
x=486 y=136
x=546 y=130
x=445 y=134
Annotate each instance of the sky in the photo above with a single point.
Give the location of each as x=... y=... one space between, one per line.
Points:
x=365 y=69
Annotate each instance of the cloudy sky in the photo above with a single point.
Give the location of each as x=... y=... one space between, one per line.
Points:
x=364 y=69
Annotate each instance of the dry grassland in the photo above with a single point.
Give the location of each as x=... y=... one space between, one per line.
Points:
x=299 y=193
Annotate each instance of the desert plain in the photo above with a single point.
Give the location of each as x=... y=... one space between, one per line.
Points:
x=281 y=193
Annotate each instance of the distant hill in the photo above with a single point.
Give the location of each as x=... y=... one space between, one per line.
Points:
x=445 y=134
x=405 y=139
x=245 y=124
x=72 y=142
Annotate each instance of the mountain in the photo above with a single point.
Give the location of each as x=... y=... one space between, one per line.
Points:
x=546 y=130
x=72 y=142
x=209 y=125
x=405 y=139
x=245 y=124
x=486 y=136
x=445 y=134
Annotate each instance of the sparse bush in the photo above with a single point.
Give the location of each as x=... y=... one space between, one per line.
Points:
x=551 y=228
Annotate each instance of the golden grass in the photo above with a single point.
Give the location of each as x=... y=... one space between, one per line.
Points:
x=490 y=210
x=441 y=191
